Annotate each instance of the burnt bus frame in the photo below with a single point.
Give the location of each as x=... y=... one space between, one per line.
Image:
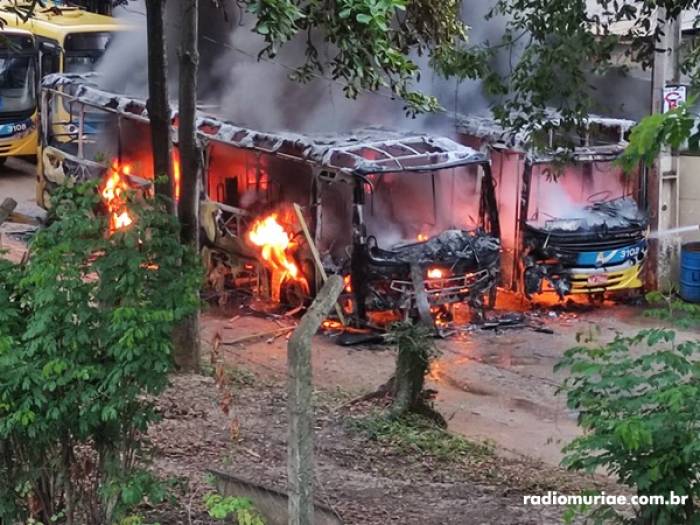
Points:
x=524 y=208
x=133 y=109
x=360 y=260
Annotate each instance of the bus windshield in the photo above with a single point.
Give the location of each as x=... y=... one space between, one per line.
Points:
x=17 y=83
x=84 y=50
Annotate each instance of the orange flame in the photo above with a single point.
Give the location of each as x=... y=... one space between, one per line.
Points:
x=435 y=273
x=270 y=236
x=114 y=195
x=422 y=237
x=176 y=174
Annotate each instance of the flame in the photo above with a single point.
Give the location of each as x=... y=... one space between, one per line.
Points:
x=436 y=372
x=330 y=324
x=176 y=174
x=113 y=193
x=348 y=283
x=270 y=236
x=422 y=237
x=435 y=273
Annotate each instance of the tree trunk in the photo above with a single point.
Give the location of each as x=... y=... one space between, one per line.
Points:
x=300 y=388
x=158 y=107
x=186 y=343
x=409 y=378
x=413 y=359
x=188 y=207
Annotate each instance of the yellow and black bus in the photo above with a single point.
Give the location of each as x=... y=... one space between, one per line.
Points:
x=64 y=39
x=69 y=39
x=18 y=97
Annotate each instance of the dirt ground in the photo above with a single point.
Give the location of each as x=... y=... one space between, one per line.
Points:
x=361 y=480
x=495 y=386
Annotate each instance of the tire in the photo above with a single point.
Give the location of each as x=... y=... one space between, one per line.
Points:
x=3 y=160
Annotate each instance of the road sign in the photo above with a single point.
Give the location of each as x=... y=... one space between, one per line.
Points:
x=674 y=96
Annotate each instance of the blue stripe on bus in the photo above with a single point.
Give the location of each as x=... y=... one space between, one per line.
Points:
x=612 y=257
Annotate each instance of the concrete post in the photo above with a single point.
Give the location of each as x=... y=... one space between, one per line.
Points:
x=664 y=179
x=300 y=447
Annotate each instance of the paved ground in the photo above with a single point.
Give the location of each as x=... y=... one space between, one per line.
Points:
x=18 y=181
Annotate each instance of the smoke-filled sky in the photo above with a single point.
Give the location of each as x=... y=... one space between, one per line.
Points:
x=260 y=94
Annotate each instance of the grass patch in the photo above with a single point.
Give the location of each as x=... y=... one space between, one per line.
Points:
x=417 y=435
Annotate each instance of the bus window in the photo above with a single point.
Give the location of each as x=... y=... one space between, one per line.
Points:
x=49 y=55
x=17 y=83
x=84 y=50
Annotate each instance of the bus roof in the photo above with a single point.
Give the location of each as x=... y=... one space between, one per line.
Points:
x=15 y=31
x=56 y=22
x=363 y=152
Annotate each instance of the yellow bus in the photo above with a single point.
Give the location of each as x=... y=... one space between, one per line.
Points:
x=18 y=98
x=69 y=39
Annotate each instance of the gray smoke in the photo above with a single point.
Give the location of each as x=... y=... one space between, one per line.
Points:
x=124 y=67
x=260 y=94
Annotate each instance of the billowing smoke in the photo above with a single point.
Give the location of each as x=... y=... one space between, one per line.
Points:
x=260 y=94
x=124 y=68
x=407 y=207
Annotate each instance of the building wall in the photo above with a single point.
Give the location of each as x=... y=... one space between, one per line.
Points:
x=690 y=194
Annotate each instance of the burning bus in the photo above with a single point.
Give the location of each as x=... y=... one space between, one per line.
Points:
x=571 y=222
x=279 y=211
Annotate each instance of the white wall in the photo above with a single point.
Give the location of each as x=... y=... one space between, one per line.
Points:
x=690 y=194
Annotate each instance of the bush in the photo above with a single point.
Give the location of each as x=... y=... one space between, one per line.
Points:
x=639 y=404
x=85 y=329
x=671 y=308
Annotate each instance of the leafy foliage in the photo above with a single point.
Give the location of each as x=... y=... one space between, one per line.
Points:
x=655 y=132
x=220 y=508
x=85 y=332
x=416 y=338
x=638 y=400
x=559 y=53
x=372 y=40
x=671 y=308
x=556 y=48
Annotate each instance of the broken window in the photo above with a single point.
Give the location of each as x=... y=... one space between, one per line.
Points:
x=409 y=206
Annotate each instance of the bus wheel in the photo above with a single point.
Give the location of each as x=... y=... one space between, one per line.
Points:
x=3 y=160
x=294 y=295
x=596 y=298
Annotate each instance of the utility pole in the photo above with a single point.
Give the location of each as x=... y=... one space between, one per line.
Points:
x=663 y=182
